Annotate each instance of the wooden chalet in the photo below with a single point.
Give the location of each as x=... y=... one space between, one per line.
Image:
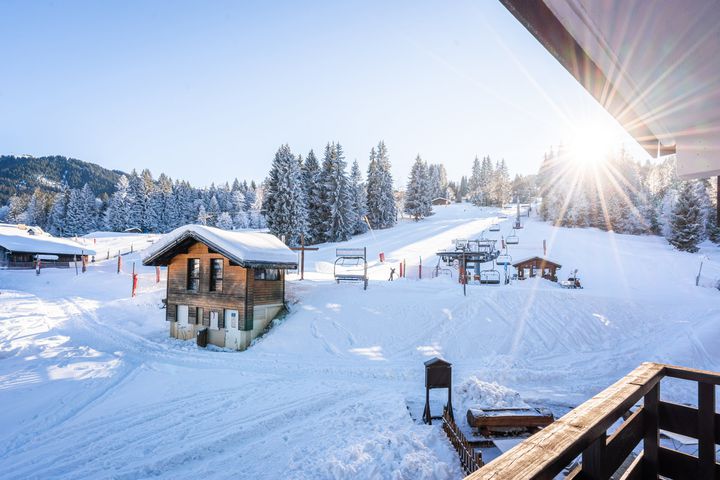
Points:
x=232 y=283
x=22 y=246
x=534 y=266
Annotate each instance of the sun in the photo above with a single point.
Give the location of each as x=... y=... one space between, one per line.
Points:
x=590 y=145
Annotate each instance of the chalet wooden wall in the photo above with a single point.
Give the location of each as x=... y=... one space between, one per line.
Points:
x=233 y=292
x=268 y=292
x=240 y=290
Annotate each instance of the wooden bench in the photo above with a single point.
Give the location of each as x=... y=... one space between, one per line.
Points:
x=508 y=420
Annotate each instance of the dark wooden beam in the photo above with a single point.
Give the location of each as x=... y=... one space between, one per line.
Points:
x=651 y=441
x=706 y=430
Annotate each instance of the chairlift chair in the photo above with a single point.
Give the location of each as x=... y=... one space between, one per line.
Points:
x=494 y=228
x=490 y=277
x=351 y=257
x=512 y=239
x=504 y=259
x=518 y=224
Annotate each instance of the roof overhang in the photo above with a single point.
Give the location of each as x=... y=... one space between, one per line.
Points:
x=653 y=65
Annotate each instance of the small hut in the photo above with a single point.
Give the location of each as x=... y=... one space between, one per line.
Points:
x=21 y=246
x=441 y=201
x=232 y=283
x=534 y=266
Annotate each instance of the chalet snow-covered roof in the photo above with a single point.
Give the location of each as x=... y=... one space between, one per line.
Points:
x=247 y=249
x=536 y=257
x=20 y=238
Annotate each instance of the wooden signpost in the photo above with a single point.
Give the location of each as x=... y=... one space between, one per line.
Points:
x=302 y=248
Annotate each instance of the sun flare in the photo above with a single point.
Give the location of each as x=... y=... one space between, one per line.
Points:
x=590 y=145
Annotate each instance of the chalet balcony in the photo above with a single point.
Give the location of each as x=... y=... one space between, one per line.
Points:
x=584 y=434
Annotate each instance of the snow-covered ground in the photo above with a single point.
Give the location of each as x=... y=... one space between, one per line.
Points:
x=92 y=387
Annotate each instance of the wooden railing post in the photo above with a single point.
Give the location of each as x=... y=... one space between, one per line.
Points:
x=706 y=430
x=651 y=440
x=593 y=459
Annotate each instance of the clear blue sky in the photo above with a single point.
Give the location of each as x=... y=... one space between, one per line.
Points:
x=207 y=91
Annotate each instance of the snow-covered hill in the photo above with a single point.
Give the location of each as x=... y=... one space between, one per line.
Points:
x=92 y=387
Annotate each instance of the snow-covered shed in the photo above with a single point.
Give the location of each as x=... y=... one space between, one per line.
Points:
x=21 y=246
x=534 y=266
x=232 y=283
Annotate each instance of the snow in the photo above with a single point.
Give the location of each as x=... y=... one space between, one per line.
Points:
x=19 y=240
x=480 y=394
x=242 y=246
x=92 y=387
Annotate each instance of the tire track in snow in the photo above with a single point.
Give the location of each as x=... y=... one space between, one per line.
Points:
x=95 y=449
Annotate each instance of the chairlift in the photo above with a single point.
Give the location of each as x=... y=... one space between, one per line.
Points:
x=349 y=261
x=518 y=224
x=494 y=228
x=490 y=277
x=512 y=239
x=504 y=259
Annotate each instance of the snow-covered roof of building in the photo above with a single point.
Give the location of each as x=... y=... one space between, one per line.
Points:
x=18 y=238
x=247 y=249
x=536 y=257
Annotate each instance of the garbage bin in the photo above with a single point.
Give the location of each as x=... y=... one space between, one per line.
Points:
x=202 y=336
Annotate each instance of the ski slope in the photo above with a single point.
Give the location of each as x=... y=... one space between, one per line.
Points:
x=92 y=387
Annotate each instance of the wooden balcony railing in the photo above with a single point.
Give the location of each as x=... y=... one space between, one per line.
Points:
x=583 y=432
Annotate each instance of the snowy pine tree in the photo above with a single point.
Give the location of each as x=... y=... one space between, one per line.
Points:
x=686 y=221
x=382 y=211
x=284 y=201
x=500 y=186
x=213 y=211
x=312 y=186
x=463 y=189
x=117 y=213
x=438 y=181
x=202 y=216
x=56 y=218
x=90 y=210
x=17 y=208
x=474 y=185
x=137 y=201
x=417 y=198
x=336 y=203
x=37 y=211
x=75 y=214
x=486 y=178
x=358 y=199
x=224 y=221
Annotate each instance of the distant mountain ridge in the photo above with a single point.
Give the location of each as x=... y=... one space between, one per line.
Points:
x=22 y=174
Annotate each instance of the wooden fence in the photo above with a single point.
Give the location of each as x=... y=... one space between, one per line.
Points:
x=583 y=432
x=469 y=458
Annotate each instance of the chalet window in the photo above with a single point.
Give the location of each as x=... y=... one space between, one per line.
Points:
x=216 y=274
x=193 y=274
x=267 y=274
x=192 y=315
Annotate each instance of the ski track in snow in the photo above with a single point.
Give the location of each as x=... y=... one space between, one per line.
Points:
x=93 y=388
